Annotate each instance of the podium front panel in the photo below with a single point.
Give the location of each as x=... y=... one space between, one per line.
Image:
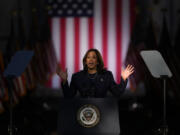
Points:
x=97 y=116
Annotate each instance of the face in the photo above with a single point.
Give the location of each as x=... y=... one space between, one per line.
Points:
x=91 y=60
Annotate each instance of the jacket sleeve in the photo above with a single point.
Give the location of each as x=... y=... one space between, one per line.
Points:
x=117 y=89
x=69 y=91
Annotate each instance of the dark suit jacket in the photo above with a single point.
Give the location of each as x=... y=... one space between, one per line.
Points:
x=96 y=87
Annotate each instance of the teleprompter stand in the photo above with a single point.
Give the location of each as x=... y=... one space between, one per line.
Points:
x=158 y=69
x=14 y=69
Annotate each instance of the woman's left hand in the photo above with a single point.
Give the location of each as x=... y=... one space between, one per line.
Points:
x=125 y=73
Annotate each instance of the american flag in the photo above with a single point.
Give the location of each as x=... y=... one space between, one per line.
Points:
x=78 y=25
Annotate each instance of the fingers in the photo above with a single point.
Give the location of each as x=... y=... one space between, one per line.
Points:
x=130 y=68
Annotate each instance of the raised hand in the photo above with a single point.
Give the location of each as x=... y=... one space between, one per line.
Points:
x=125 y=73
x=62 y=74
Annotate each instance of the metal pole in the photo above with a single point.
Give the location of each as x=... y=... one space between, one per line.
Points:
x=164 y=96
x=165 y=126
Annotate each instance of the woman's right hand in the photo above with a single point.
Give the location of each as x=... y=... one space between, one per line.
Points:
x=62 y=74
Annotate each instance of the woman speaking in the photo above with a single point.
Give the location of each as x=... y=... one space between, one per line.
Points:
x=94 y=80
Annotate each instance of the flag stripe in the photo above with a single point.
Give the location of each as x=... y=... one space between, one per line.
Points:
x=125 y=28
x=111 y=37
x=69 y=39
x=104 y=31
x=62 y=38
x=56 y=38
x=83 y=39
x=97 y=25
x=118 y=39
x=76 y=35
x=91 y=32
